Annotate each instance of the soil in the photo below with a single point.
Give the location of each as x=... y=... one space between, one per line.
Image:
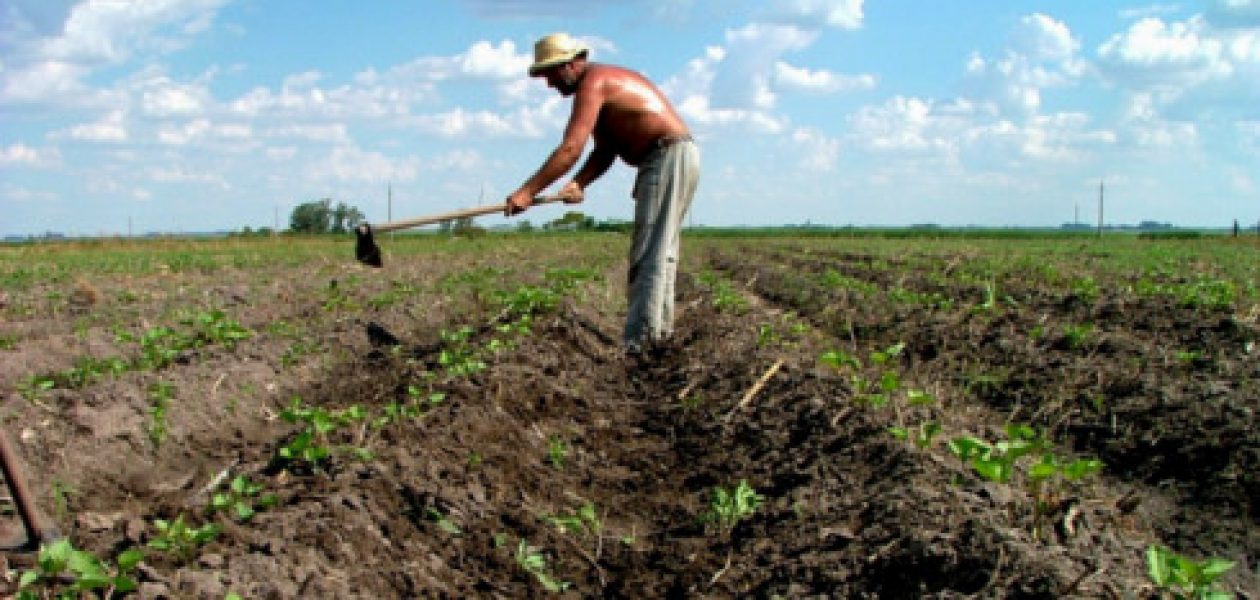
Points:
x=450 y=500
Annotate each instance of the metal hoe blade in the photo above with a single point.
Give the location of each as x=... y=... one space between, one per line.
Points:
x=365 y=248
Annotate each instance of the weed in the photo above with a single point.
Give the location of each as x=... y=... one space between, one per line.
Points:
x=1184 y=577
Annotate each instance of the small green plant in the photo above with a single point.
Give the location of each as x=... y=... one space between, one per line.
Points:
x=1046 y=477
x=922 y=438
x=160 y=394
x=557 y=451
x=181 y=541
x=534 y=563
x=33 y=388
x=310 y=446
x=1186 y=578
x=242 y=499
x=728 y=507
x=443 y=522
x=1077 y=335
x=69 y=573
x=584 y=521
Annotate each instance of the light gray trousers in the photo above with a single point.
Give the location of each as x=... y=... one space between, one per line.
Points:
x=662 y=192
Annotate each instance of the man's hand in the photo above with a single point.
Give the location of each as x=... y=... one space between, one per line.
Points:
x=518 y=203
x=571 y=193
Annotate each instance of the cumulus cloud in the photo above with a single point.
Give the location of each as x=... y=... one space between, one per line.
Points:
x=1154 y=53
x=50 y=47
x=1184 y=67
x=793 y=78
x=110 y=128
x=841 y=14
x=19 y=154
x=1040 y=53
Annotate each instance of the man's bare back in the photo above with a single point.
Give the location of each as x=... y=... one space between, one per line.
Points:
x=634 y=113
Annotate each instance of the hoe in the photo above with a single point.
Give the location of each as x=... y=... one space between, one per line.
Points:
x=36 y=531
x=368 y=253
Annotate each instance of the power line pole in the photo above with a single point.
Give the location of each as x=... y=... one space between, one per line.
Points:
x=1100 y=208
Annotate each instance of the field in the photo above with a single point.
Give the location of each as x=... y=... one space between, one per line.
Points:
x=849 y=417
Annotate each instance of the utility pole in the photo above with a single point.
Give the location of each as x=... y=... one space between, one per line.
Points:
x=1100 y=208
x=389 y=204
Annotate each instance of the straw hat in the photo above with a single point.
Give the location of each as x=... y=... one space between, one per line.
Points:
x=555 y=49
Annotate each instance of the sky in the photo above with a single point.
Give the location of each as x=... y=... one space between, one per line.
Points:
x=133 y=116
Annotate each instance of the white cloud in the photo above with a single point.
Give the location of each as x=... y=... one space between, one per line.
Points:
x=50 y=49
x=1042 y=38
x=820 y=151
x=201 y=129
x=352 y=164
x=789 y=77
x=1152 y=53
x=18 y=154
x=110 y=128
x=327 y=132
x=1041 y=53
x=183 y=174
x=841 y=14
x=742 y=79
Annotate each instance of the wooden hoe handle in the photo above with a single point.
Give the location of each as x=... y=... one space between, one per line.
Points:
x=451 y=216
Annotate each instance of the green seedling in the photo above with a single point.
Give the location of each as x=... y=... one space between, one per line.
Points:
x=443 y=522
x=585 y=521
x=1186 y=578
x=1047 y=476
x=839 y=360
x=535 y=564
x=243 y=499
x=33 y=388
x=310 y=447
x=557 y=451
x=1077 y=335
x=922 y=438
x=160 y=394
x=180 y=540
x=728 y=507
x=63 y=572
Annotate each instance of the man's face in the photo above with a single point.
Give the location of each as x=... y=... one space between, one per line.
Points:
x=562 y=78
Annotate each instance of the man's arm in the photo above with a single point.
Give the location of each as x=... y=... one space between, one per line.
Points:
x=596 y=165
x=586 y=106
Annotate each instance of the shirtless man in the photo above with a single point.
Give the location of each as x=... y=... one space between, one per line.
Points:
x=628 y=117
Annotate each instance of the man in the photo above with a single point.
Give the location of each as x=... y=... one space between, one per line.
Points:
x=630 y=118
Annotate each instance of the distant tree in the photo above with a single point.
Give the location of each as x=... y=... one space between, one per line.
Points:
x=525 y=226
x=573 y=220
x=320 y=216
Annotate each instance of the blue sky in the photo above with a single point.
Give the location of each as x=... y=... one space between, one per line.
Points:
x=194 y=115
